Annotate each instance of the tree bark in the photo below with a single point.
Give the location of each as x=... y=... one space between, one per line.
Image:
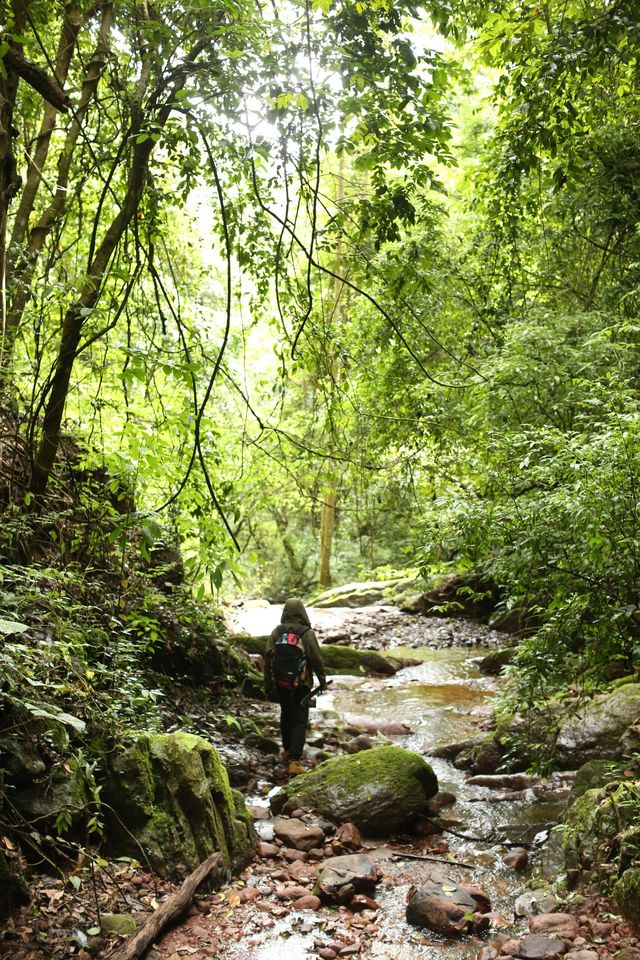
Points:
x=172 y=908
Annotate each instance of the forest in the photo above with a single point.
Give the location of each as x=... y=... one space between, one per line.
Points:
x=330 y=299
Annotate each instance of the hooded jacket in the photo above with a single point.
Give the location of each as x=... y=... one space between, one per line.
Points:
x=294 y=620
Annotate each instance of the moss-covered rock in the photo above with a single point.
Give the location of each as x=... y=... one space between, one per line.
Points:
x=170 y=798
x=382 y=790
x=626 y=893
x=336 y=659
x=601 y=834
x=13 y=888
x=593 y=774
x=371 y=591
x=604 y=728
x=493 y=663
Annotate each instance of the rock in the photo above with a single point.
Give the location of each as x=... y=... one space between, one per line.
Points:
x=462 y=595
x=336 y=659
x=594 y=773
x=487 y=953
x=539 y=946
x=510 y=948
x=517 y=859
x=482 y=754
x=297 y=834
x=302 y=871
x=360 y=901
x=552 y=854
x=338 y=878
x=441 y=800
x=595 y=823
x=534 y=902
x=363 y=594
x=348 y=836
x=504 y=781
x=117 y=924
x=308 y=902
x=626 y=893
x=266 y=850
x=361 y=742
x=560 y=924
x=13 y=888
x=584 y=955
x=172 y=792
x=290 y=854
x=493 y=663
x=447 y=908
x=381 y=790
x=290 y=892
x=601 y=729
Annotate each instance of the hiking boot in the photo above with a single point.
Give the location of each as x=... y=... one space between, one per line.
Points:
x=295 y=767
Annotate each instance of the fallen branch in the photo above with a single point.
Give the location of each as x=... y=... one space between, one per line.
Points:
x=449 y=863
x=171 y=909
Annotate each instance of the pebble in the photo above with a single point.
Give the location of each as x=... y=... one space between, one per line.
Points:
x=327 y=953
x=307 y=902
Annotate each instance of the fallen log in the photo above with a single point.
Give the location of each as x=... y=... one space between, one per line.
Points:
x=169 y=910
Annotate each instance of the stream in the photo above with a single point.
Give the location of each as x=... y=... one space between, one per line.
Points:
x=443 y=698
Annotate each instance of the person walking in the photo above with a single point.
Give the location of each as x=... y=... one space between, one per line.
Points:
x=292 y=657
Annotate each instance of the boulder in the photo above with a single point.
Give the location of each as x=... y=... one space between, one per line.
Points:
x=462 y=595
x=447 y=908
x=493 y=663
x=602 y=729
x=298 y=835
x=339 y=878
x=371 y=591
x=597 y=822
x=534 y=902
x=381 y=791
x=481 y=754
x=560 y=924
x=540 y=946
x=169 y=796
x=594 y=773
x=517 y=859
x=626 y=893
x=336 y=659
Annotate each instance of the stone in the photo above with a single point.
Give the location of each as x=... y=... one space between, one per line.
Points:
x=301 y=871
x=540 y=946
x=602 y=729
x=510 y=948
x=534 y=902
x=441 y=801
x=297 y=834
x=290 y=893
x=447 y=908
x=487 y=953
x=582 y=955
x=172 y=792
x=266 y=850
x=348 y=835
x=117 y=924
x=626 y=893
x=494 y=663
x=594 y=773
x=292 y=855
x=560 y=924
x=338 y=878
x=327 y=953
x=517 y=859
x=361 y=742
x=382 y=791
x=360 y=901
x=307 y=902
x=336 y=659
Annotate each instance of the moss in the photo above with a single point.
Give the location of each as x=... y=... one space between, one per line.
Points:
x=626 y=893
x=601 y=831
x=595 y=773
x=336 y=659
x=382 y=789
x=172 y=792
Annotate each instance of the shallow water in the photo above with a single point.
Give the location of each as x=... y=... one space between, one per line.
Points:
x=443 y=699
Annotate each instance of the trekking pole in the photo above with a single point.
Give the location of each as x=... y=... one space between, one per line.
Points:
x=312 y=693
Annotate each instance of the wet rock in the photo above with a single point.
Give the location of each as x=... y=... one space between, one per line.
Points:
x=361 y=742
x=560 y=924
x=626 y=893
x=338 y=878
x=604 y=728
x=504 y=781
x=265 y=850
x=494 y=663
x=308 y=902
x=297 y=834
x=348 y=836
x=381 y=790
x=172 y=792
x=441 y=800
x=517 y=859
x=535 y=902
x=447 y=908
x=540 y=946
x=481 y=754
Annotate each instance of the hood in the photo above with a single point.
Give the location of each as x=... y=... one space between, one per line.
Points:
x=294 y=612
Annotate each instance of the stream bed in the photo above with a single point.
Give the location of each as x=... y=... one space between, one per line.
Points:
x=441 y=698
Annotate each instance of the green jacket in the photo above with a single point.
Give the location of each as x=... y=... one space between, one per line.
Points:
x=294 y=616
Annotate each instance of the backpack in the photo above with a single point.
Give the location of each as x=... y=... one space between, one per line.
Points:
x=289 y=664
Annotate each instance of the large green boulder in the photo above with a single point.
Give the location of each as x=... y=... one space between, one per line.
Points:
x=626 y=893
x=169 y=801
x=336 y=659
x=600 y=831
x=602 y=729
x=382 y=790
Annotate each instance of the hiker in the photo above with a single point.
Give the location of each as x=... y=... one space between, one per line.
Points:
x=291 y=658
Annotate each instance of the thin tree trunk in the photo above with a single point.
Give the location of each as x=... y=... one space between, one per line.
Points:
x=330 y=485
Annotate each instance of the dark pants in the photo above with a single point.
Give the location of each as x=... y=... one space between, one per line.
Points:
x=293 y=720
